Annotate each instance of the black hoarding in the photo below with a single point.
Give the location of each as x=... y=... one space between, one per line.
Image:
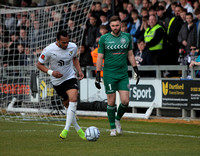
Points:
x=181 y=93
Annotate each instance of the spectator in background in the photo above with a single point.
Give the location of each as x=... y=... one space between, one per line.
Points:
x=143 y=27
x=73 y=12
x=186 y=5
x=186 y=59
x=143 y=57
x=46 y=14
x=18 y=19
x=98 y=12
x=10 y=23
x=73 y=31
x=138 y=5
x=92 y=8
x=145 y=4
x=168 y=7
x=105 y=21
x=106 y=10
x=109 y=3
x=92 y=31
x=173 y=29
x=152 y=11
x=130 y=8
x=133 y=26
x=65 y=16
x=197 y=13
x=154 y=39
x=183 y=14
x=32 y=17
x=29 y=56
x=102 y=31
x=4 y=36
x=25 y=3
x=28 y=26
x=85 y=57
x=187 y=36
x=50 y=32
x=35 y=36
x=154 y=3
x=11 y=55
x=123 y=14
x=124 y=4
x=23 y=38
x=22 y=56
x=196 y=5
x=124 y=27
x=167 y=12
x=163 y=19
x=57 y=20
x=195 y=62
x=144 y=12
x=142 y=54
x=173 y=7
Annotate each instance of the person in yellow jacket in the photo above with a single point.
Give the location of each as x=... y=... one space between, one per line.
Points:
x=154 y=38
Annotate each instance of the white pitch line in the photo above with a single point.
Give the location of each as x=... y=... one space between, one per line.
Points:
x=104 y=129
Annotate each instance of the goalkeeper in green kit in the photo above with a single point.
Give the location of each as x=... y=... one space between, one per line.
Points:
x=114 y=48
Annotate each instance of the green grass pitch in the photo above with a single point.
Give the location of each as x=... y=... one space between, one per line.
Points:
x=37 y=138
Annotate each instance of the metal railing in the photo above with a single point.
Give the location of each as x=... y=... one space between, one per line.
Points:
x=158 y=70
x=183 y=70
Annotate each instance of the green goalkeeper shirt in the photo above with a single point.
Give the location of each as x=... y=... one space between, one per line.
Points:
x=115 y=50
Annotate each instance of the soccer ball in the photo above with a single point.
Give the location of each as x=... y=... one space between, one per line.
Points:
x=92 y=133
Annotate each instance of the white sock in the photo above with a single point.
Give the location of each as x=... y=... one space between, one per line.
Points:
x=74 y=122
x=70 y=114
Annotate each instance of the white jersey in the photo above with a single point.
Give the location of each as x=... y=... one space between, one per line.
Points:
x=59 y=60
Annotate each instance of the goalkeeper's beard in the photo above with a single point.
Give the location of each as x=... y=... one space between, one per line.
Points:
x=116 y=33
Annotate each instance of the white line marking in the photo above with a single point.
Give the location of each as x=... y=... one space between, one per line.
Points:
x=101 y=129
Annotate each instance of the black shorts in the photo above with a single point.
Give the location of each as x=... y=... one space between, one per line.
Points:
x=65 y=86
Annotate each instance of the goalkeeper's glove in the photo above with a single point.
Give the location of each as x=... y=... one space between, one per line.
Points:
x=136 y=74
x=98 y=80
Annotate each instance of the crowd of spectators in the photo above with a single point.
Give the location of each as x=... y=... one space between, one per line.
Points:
x=175 y=25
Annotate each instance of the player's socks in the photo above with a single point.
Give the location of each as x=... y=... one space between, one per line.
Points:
x=74 y=122
x=121 y=110
x=81 y=133
x=111 y=116
x=70 y=114
x=63 y=134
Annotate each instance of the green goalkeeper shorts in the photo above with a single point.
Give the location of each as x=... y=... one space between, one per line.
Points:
x=113 y=85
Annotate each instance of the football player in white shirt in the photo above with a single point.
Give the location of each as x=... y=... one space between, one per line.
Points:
x=62 y=56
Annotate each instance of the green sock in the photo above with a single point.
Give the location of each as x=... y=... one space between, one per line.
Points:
x=121 y=110
x=111 y=116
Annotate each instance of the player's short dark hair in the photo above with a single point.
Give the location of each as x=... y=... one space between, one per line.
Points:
x=114 y=18
x=61 y=33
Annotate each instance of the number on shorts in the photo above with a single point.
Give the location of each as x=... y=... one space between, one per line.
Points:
x=110 y=87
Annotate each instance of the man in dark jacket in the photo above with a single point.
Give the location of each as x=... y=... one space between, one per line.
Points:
x=92 y=31
x=173 y=29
